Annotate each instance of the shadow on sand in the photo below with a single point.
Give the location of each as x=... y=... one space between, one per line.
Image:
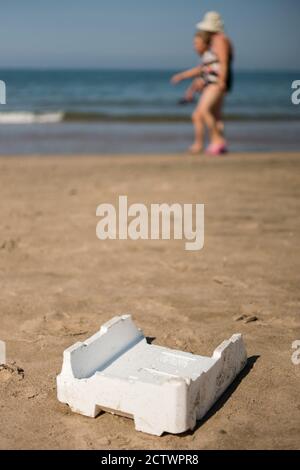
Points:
x=225 y=396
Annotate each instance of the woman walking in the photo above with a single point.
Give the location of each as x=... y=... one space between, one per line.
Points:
x=213 y=78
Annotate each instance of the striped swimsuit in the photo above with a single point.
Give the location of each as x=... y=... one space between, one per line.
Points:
x=211 y=69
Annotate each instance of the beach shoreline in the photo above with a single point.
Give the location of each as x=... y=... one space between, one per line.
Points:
x=59 y=283
x=140 y=138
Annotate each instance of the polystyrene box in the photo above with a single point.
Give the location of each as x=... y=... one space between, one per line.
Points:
x=163 y=390
x=2 y=353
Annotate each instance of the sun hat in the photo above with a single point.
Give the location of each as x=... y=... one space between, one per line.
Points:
x=212 y=23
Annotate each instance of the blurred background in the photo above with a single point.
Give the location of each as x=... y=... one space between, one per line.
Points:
x=94 y=76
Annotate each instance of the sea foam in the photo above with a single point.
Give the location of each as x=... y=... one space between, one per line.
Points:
x=25 y=117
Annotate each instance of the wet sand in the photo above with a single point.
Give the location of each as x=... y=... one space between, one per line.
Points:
x=59 y=283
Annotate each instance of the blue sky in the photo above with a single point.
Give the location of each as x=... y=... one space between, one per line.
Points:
x=143 y=33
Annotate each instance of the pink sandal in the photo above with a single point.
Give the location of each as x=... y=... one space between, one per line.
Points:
x=215 y=150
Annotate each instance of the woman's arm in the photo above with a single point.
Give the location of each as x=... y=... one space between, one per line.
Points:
x=222 y=49
x=191 y=73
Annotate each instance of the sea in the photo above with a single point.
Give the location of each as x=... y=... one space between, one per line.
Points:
x=138 y=112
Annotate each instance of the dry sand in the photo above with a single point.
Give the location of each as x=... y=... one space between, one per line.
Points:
x=59 y=284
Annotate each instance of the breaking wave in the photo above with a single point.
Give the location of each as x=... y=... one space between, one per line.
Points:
x=26 y=117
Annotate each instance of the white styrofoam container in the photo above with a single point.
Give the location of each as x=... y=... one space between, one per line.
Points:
x=2 y=353
x=163 y=390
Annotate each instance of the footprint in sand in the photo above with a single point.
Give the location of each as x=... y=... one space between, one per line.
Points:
x=230 y=282
x=9 y=245
x=56 y=323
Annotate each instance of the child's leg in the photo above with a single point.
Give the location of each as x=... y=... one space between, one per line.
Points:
x=198 y=122
x=212 y=97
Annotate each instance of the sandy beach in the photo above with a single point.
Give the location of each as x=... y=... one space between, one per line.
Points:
x=59 y=283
